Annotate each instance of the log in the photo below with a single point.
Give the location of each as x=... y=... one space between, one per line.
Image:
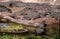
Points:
x=21 y=31
x=19 y=21
x=22 y=4
x=30 y=23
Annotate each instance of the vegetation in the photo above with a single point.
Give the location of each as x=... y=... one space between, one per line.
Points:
x=12 y=27
x=51 y=33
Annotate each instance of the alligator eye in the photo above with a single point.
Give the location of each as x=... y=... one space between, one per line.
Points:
x=29 y=8
x=11 y=4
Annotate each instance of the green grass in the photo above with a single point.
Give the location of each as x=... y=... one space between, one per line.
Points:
x=52 y=33
x=12 y=27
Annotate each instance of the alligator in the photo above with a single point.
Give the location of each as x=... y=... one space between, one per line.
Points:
x=31 y=13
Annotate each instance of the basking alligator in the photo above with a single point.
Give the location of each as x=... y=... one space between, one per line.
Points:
x=31 y=11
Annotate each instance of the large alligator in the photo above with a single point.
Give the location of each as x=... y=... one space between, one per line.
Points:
x=33 y=14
